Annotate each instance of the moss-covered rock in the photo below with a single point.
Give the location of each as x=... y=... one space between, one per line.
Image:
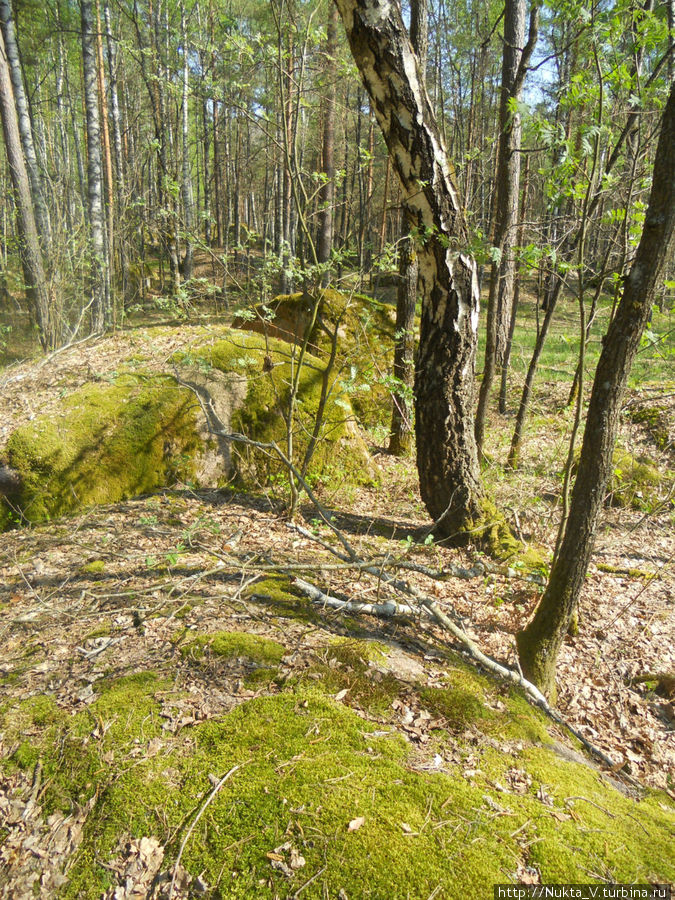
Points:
x=108 y=442
x=657 y=422
x=363 y=327
x=636 y=482
x=104 y=443
x=268 y=368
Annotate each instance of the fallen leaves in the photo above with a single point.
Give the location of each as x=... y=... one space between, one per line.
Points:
x=286 y=858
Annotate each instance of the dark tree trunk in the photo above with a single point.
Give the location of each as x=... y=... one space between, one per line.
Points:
x=447 y=461
x=540 y=642
x=400 y=440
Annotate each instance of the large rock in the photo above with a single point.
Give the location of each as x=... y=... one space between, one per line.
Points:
x=108 y=442
x=365 y=339
x=268 y=367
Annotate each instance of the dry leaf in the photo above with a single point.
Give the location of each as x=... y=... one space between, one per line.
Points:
x=355 y=824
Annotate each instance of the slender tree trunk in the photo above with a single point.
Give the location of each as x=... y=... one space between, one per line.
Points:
x=540 y=642
x=401 y=437
x=217 y=176
x=515 y=60
x=447 y=460
x=186 y=184
x=25 y=125
x=206 y=145
x=99 y=278
x=117 y=145
x=327 y=192
x=516 y=294
x=106 y=154
x=30 y=249
x=523 y=408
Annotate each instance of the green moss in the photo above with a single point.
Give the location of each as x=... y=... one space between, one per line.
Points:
x=491 y=531
x=103 y=444
x=522 y=721
x=656 y=421
x=26 y=755
x=96 y=567
x=277 y=592
x=602 y=833
x=340 y=453
x=354 y=652
x=305 y=766
x=365 y=331
x=621 y=570
x=345 y=665
x=635 y=481
x=101 y=630
x=456 y=705
x=469 y=698
x=534 y=558
x=305 y=790
x=235 y=644
x=38 y=711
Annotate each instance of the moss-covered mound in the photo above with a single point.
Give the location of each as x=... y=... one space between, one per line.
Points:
x=322 y=797
x=105 y=442
x=657 y=421
x=636 y=482
x=364 y=332
x=322 y=421
x=108 y=442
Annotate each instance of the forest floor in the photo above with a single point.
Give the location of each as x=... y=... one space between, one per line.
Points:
x=118 y=589
x=627 y=611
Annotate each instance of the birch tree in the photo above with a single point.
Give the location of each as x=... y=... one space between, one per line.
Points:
x=24 y=123
x=29 y=242
x=447 y=460
x=99 y=280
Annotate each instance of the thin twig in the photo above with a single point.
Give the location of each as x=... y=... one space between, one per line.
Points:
x=196 y=819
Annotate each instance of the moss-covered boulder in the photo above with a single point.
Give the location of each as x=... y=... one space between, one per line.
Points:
x=267 y=368
x=636 y=482
x=106 y=442
x=364 y=329
x=103 y=443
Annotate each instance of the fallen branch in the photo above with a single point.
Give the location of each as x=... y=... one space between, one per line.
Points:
x=387 y=610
